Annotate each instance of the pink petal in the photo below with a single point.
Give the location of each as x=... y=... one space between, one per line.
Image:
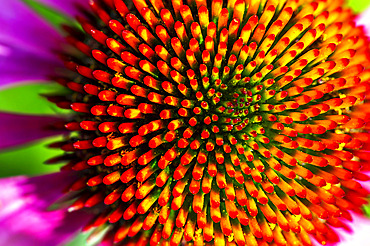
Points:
x=358 y=234
x=28 y=45
x=364 y=20
x=24 y=218
x=16 y=129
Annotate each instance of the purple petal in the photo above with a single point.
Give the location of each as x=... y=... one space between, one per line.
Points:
x=69 y=7
x=24 y=218
x=21 y=66
x=24 y=29
x=28 y=45
x=18 y=129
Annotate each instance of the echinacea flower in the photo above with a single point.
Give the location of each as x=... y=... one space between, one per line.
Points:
x=239 y=122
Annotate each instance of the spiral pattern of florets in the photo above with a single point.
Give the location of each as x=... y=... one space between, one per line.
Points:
x=218 y=122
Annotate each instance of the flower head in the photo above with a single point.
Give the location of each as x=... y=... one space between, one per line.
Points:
x=217 y=122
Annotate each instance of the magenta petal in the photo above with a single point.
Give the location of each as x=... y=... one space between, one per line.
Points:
x=28 y=45
x=69 y=7
x=16 y=129
x=24 y=218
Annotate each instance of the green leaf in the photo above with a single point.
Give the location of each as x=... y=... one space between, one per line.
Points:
x=26 y=99
x=366 y=209
x=54 y=17
x=359 y=5
x=29 y=159
x=79 y=240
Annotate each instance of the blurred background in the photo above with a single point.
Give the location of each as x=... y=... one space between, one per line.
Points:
x=26 y=99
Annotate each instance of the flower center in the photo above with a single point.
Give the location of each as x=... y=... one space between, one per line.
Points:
x=216 y=121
